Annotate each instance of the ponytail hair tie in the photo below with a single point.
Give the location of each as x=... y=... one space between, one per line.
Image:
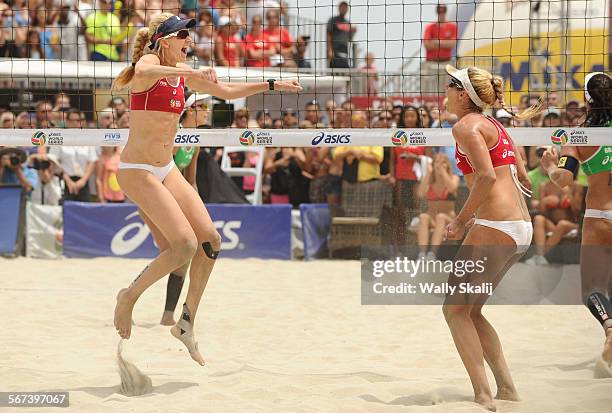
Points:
x=134 y=64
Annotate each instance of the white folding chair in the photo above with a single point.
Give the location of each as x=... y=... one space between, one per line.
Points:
x=226 y=165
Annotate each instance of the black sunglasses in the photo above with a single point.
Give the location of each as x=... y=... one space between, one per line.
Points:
x=183 y=34
x=454 y=83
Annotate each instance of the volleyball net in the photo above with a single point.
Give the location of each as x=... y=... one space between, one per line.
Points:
x=373 y=74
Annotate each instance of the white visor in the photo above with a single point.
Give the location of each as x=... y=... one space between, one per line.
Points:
x=463 y=77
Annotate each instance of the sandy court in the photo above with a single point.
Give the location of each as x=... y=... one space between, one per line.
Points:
x=278 y=336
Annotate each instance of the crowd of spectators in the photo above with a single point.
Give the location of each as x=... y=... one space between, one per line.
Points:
x=228 y=32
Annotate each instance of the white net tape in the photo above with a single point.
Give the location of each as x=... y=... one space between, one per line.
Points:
x=300 y=137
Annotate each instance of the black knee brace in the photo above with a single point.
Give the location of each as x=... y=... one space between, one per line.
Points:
x=601 y=309
x=208 y=250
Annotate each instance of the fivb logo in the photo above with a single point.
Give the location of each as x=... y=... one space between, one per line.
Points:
x=228 y=233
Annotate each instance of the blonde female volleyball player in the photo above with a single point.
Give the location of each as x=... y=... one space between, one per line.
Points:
x=148 y=175
x=596 y=249
x=496 y=214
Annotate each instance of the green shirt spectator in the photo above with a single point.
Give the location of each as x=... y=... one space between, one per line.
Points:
x=103 y=32
x=537 y=176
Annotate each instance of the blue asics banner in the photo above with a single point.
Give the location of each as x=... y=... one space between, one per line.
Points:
x=96 y=230
x=10 y=218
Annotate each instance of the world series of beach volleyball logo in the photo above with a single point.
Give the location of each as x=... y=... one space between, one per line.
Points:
x=562 y=137
x=247 y=138
x=414 y=137
x=399 y=138
x=39 y=138
x=559 y=137
x=259 y=138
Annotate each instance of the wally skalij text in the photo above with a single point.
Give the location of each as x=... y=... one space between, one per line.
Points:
x=419 y=281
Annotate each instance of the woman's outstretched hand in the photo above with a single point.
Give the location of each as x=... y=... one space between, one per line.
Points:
x=207 y=73
x=287 y=86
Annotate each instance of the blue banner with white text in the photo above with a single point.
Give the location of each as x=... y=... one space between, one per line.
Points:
x=247 y=231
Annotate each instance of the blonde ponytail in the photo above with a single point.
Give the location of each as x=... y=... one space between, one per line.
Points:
x=532 y=111
x=126 y=75
x=140 y=43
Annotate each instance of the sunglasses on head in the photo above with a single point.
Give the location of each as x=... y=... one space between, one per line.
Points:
x=454 y=83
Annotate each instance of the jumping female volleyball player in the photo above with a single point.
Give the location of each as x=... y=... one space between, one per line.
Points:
x=501 y=230
x=196 y=113
x=148 y=175
x=596 y=250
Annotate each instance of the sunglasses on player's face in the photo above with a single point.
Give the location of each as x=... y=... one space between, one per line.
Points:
x=181 y=34
x=454 y=83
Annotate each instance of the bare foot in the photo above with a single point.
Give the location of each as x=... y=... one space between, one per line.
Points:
x=189 y=342
x=486 y=401
x=507 y=393
x=123 y=314
x=167 y=319
x=606 y=355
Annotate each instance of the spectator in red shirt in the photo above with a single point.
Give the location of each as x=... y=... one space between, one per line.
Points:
x=257 y=45
x=440 y=39
x=228 y=47
x=279 y=37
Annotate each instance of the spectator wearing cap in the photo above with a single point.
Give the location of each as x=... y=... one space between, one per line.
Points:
x=279 y=37
x=339 y=34
x=48 y=191
x=13 y=170
x=228 y=48
x=552 y=118
x=299 y=57
x=103 y=32
x=439 y=40
x=312 y=114
x=67 y=31
x=258 y=47
x=289 y=119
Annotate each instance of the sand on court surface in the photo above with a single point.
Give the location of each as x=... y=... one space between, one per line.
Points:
x=278 y=336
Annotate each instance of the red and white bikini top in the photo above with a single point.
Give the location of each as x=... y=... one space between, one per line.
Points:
x=161 y=97
x=501 y=154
